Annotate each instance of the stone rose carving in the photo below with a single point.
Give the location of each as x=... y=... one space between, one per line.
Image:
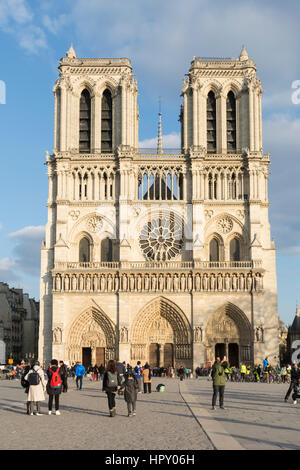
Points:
x=95 y=224
x=225 y=225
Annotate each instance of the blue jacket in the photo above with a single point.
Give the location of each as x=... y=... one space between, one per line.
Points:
x=80 y=371
x=138 y=372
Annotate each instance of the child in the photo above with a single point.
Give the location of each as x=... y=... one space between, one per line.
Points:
x=130 y=387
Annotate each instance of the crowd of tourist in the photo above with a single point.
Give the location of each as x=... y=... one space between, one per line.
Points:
x=128 y=381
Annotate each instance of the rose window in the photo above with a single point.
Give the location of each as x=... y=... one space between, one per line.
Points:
x=161 y=239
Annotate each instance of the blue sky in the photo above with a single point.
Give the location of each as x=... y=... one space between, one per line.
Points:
x=160 y=38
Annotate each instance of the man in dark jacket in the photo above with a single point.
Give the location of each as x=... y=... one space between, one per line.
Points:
x=219 y=381
x=64 y=374
x=295 y=375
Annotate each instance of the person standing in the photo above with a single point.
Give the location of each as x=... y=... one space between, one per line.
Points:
x=64 y=374
x=111 y=382
x=37 y=387
x=181 y=373
x=219 y=381
x=79 y=373
x=95 y=372
x=295 y=375
x=243 y=372
x=54 y=386
x=138 y=375
x=147 y=378
x=101 y=371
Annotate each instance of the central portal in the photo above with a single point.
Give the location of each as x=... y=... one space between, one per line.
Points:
x=161 y=335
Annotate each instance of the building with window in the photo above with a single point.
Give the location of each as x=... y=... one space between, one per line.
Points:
x=161 y=257
x=19 y=325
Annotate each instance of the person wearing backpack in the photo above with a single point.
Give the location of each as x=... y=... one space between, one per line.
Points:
x=36 y=389
x=54 y=386
x=111 y=383
x=219 y=381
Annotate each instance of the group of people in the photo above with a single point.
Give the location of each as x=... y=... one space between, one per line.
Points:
x=33 y=380
x=264 y=372
x=117 y=378
x=128 y=381
x=219 y=375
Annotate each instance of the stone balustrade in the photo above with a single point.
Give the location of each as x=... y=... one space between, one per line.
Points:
x=168 y=265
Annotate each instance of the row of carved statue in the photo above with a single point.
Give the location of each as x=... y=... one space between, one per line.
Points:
x=208 y=282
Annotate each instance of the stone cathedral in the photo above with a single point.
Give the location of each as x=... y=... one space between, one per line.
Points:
x=158 y=257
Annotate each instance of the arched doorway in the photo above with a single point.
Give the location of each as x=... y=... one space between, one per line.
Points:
x=228 y=333
x=161 y=335
x=91 y=339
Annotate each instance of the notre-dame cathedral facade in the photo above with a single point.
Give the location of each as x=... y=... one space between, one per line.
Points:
x=165 y=258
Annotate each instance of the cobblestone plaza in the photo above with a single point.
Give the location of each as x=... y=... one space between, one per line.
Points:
x=255 y=418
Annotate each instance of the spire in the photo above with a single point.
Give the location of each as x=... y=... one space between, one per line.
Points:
x=159 y=139
x=244 y=54
x=71 y=52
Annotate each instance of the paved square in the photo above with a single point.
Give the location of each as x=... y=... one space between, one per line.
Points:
x=163 y=421
x=256 y=417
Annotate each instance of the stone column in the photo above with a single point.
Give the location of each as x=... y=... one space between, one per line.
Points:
x=161 y=355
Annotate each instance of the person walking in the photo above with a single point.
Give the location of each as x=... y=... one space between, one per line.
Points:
x=64 y=374
x=219 y=381
x=79 y=373
x=54 y=386
x=147 y=378
x=130 y=386
x=181 y=373
x=111 y=383
x=243 y=372
x=138 y=375
x=295 y=375
x=36 y=390
x=101 y=371
x=96 y=373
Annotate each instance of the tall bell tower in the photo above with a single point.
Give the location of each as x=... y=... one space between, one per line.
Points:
x=95 y=120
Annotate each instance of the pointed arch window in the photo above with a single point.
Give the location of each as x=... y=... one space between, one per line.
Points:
x=106 y=122
x=84 y=250
x=235 y=254
x=214 y=250
x=231 y=122
x=85 y=122
x=211 y=122
x=106 y=250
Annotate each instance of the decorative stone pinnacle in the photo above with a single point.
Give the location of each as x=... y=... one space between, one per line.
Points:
x=244 y=54
x=71 y=53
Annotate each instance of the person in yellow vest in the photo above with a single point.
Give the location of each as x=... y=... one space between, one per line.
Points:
x=243 y=371
x=248 y=372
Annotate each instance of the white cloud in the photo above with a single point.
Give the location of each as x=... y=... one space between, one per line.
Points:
x=30 y=232
x=15 y=10
x=17 y=19
x=8 y=270
x=281 y=131
x=55 y=25
x=170 y=141
x=27 y=249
